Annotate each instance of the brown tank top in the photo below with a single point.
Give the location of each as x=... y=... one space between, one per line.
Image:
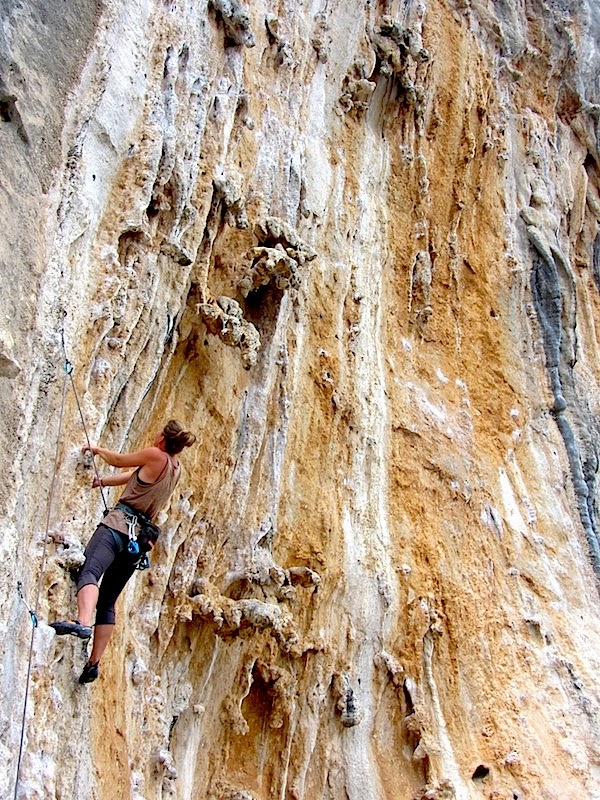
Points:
x=148 y=498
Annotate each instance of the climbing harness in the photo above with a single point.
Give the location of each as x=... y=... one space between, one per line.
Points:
x=138 y=543
x=33 y=612
x=133 y=547
x=142 y=561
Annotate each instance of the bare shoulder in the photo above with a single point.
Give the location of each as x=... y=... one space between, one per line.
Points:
x=150 y=454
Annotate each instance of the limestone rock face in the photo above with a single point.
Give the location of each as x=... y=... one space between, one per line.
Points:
x=354 y=247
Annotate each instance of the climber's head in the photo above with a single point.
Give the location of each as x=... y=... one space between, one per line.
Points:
x=173 y=438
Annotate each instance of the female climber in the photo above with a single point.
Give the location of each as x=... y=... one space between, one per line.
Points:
x=124 y=536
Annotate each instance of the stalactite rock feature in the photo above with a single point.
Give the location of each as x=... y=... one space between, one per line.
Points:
x=270 y=264
x=231 y=617
x=347 y=704
x=224 y=318
x=320 y=39
x=236 y=21
x=355 y=248
x=229 y=186
x=272 y=232
x=356 y=89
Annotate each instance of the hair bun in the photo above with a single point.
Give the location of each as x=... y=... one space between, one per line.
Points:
x=177 y=437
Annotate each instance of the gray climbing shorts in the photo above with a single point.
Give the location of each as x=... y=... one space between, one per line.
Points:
x=104 y=560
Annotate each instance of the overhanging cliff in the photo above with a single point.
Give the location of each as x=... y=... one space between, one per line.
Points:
x=354 y=247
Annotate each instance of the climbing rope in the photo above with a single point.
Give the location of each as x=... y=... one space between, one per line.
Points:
x=33 y=612
x=69 y=370
x=87 y=438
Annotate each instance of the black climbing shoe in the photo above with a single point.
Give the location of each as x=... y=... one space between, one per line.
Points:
x=90 y=673
x=75 y=628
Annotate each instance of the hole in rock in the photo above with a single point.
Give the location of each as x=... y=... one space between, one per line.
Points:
x=480 y=773
x=258 y=703
x=129 y=247
x=5 y=115
x=152 y=209
x=262 y=308
x=239 y=589
x=569 y=104
x=408 y=699
x=590 y=165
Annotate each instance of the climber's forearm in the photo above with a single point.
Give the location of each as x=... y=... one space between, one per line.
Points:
x=116 y=480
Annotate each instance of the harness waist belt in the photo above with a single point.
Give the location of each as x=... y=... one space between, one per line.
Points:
x=133 y=512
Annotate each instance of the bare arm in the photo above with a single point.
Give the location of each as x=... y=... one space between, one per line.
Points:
x=150 y=456
x=113 y=480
